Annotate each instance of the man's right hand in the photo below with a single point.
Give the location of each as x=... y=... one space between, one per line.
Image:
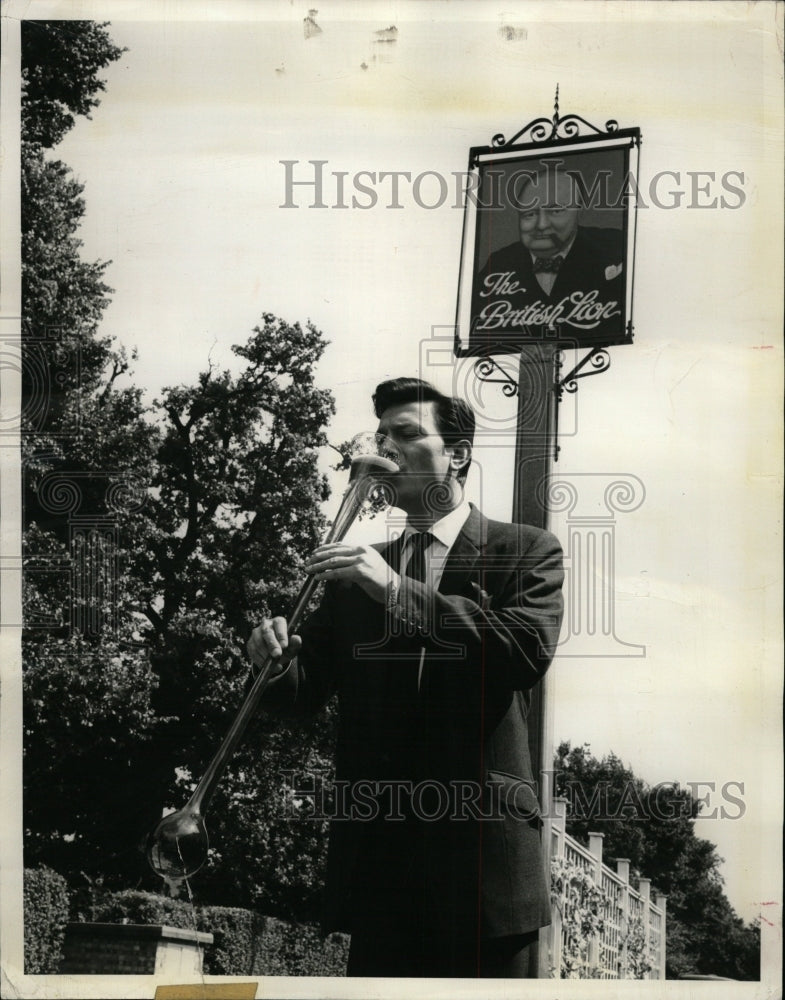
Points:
x=272 y=639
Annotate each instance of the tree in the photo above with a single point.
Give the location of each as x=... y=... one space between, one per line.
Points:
x=60 y=67
x=235 y=505
x=153 y=539
x=232 y=497
x=86 y=448
x=63 y=297
x=654 y=828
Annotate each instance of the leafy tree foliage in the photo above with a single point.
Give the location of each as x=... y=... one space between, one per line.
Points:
x=235 y=504
x=232 y=496
x=653 y=826
x=62 y=60
x=69 y=372
x=85 y=450
x=154 y=538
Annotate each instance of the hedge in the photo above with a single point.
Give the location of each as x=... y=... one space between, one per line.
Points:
x=45 y=903
x=134 y=907
x=245 y=943
x=289 y=949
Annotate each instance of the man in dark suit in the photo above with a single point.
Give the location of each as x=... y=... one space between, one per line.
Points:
x=432 y=643
x=558 y=274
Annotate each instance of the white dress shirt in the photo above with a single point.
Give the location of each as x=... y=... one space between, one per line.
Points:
x=445 y=531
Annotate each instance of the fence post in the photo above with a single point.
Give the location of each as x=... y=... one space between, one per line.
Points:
x=623 y=871
x=558 y=834
x=595 y=849
x=644 y=888
x=559 y=827
x=661 y=900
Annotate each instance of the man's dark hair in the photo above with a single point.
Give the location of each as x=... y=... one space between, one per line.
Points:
x=454 y=417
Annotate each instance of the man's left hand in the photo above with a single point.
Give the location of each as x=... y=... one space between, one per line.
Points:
x=360 y=564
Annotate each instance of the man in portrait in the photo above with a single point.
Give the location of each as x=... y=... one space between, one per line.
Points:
x=432 y=643
x=558 y=273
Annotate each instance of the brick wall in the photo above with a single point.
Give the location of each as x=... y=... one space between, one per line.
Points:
x=133 y=950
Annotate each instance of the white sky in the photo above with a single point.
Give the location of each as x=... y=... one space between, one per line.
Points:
x=183 y=183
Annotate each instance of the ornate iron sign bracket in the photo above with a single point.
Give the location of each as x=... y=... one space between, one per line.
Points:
x=600 y=361
x=546 y=130
x=489 y=370
x=597 y=359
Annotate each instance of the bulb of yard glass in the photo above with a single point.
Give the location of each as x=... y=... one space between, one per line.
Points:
x=177 y=848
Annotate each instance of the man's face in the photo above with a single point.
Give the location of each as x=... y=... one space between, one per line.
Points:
x=424 y=459
x=550 y=217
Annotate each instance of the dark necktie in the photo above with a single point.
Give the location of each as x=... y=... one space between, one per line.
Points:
x=415 y=568
x=547 y=264
x=406 y=671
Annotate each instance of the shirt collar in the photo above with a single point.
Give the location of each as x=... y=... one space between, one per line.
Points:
x=447 y=528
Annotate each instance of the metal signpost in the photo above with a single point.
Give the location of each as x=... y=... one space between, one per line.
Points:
x=505 y=310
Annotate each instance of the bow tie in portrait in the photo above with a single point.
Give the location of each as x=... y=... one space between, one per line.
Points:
x=548 y=263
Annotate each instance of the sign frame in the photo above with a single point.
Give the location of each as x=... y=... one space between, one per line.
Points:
x=488 y=214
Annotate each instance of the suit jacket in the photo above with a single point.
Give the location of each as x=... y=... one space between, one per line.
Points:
x=489 y=634
x=587 y=298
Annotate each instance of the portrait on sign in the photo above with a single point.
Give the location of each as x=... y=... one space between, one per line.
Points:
x=548 y=246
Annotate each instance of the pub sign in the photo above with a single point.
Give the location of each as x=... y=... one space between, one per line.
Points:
x=548 y=244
